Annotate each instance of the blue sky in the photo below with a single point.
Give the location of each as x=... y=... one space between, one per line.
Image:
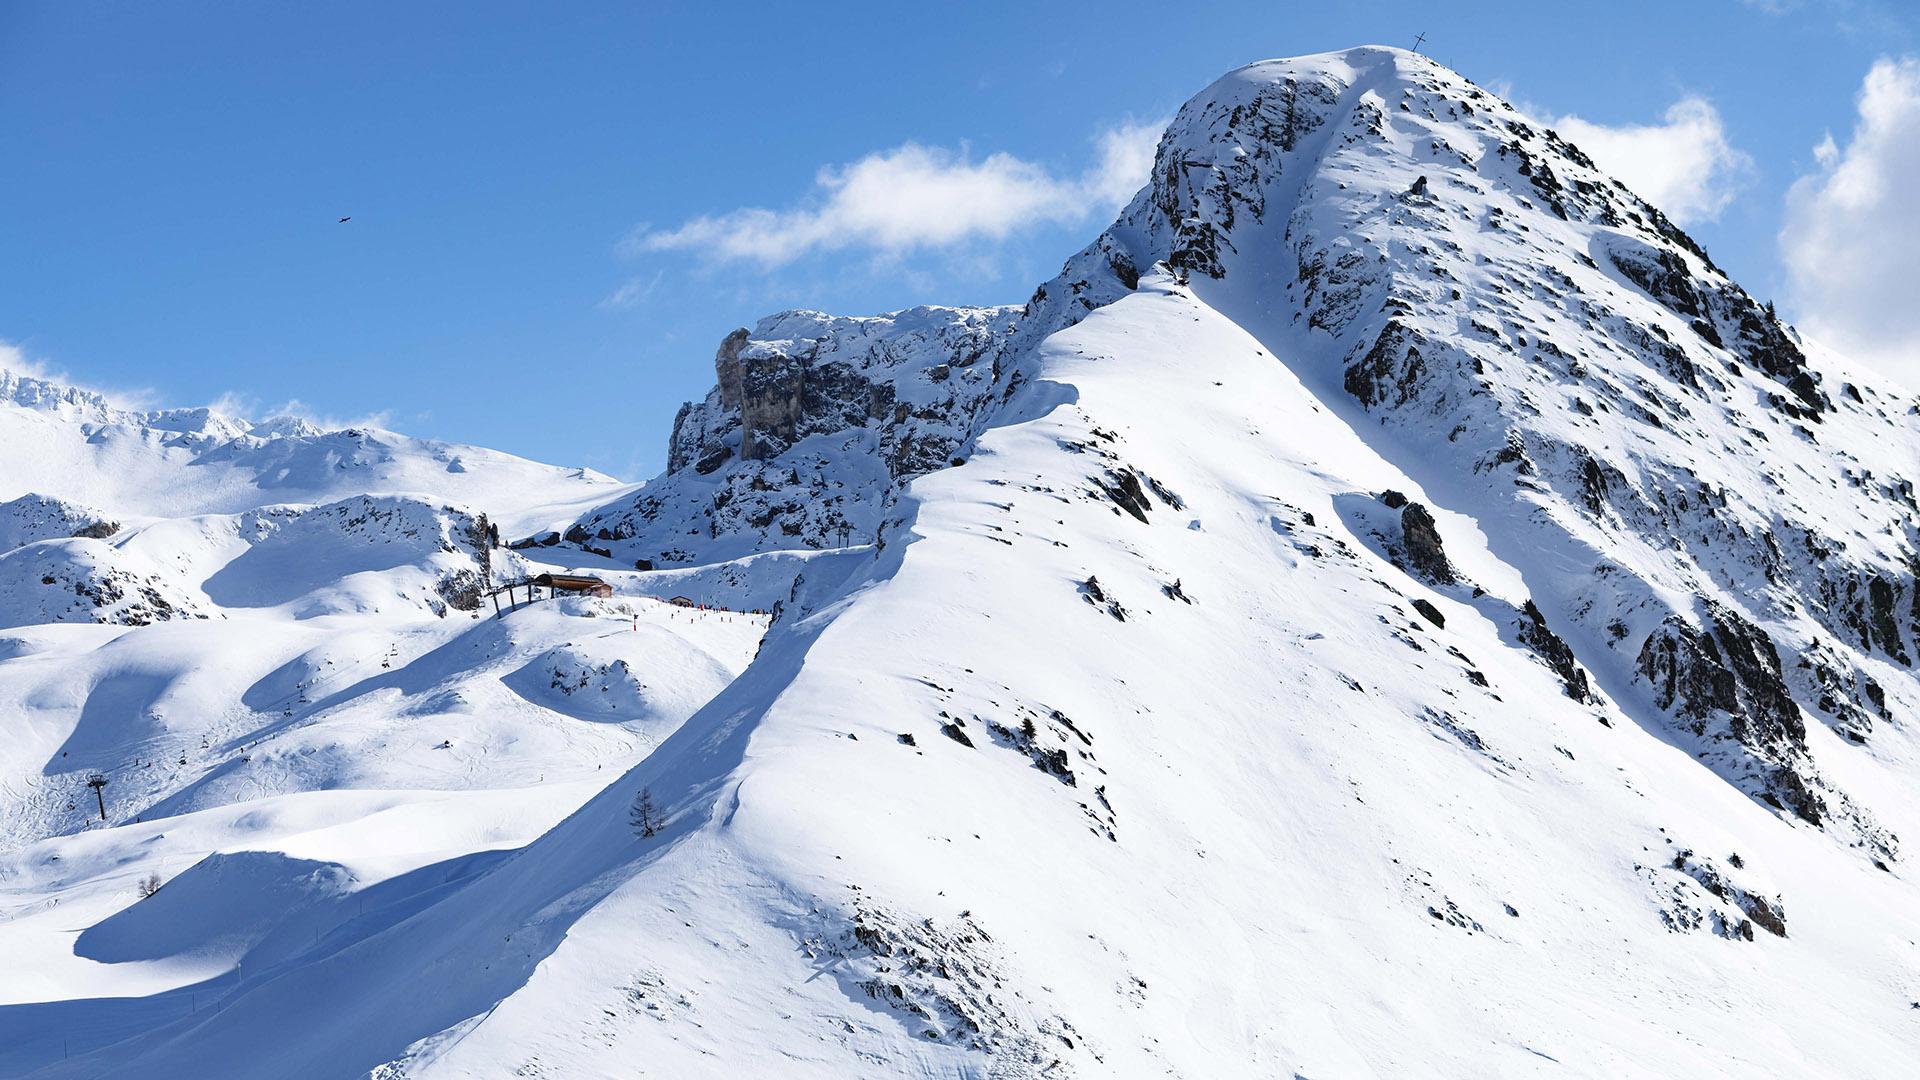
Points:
x=522 y=178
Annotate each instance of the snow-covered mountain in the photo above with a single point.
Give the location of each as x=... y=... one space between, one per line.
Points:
x=1391 y=606
x=72 y=444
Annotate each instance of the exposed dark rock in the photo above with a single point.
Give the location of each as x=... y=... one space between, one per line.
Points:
x=726 y=365
x=1390 y=371
x=1730 y=668
x=772 y=393
x=1766 y=913
x=1094 y=594
x=1123 y=487
x=1027 y=739
x=463 y=590
x=1664 y=275
x=1167 y=495
x=1535 y=635
x=1424 y=551
x=1881 y=597
x=1432 y=615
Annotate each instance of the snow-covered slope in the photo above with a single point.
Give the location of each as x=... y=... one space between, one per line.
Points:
x=288 y=702
x=1390 y=607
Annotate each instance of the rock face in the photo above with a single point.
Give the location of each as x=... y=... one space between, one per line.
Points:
x=1554 y=652
x=1424 y=550
x=766 y=388
x=1724 y=679
x=813 y=424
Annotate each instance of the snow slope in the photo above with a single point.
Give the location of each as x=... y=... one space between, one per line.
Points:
x=1391 y=607
x=291 y=703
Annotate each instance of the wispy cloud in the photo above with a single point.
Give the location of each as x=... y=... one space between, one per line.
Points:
x=15 y=359
x=633 y=292
x=1685 y=164
x=915 y=197
x=1126 y=161
x=1851 y=240
x=242 y=406
x=1886 y=24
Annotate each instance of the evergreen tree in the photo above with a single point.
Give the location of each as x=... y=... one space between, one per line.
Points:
x=646 y=820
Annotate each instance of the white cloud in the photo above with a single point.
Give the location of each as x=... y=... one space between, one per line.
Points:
x=1685 y=165
x=1126 y=161
x=916 y=197
x=13 y=358
x=239 y=405
x=1851 y=236
x=633 y=292
x=380 y=420
x=233 y=404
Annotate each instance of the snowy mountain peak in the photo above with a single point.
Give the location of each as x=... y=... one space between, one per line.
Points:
x=1391 y=605
x=34 y=392
x=1528 y=337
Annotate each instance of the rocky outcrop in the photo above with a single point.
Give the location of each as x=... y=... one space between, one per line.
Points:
x=772 y=400
x=1554 y=652
x=1725 y=317
x=1696 y=893
x=1724 y=680
x=84 y=580
x=728 y=369
x=813 y=423
x=1424 y=551
x=1764 y=911
x=31 y=518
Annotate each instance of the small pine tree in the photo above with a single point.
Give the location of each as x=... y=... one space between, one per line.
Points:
x=149 y=885
x=646 y=819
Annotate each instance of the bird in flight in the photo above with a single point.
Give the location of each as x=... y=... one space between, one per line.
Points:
x=346 y=219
